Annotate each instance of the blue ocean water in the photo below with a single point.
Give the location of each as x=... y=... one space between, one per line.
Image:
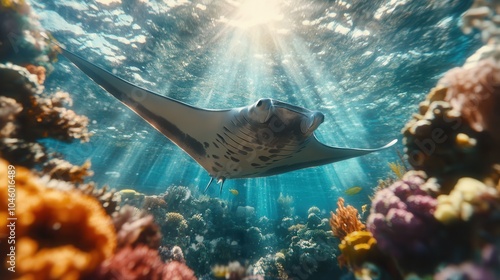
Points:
x=364 y=64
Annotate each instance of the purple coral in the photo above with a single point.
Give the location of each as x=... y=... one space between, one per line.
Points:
x=402 y=221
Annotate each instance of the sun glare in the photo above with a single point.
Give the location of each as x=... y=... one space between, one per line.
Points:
x=256 y=12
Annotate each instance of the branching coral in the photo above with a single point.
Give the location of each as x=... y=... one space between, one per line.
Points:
x=63 y=170
x=59 y=234
x=345 y=221
x=109 y=199
x=135 y=227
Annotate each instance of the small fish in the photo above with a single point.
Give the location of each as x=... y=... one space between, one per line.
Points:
x=353 y=190
x=234 y=192
x=364 y=208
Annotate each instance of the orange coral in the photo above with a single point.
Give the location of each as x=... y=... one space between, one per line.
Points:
x=39 y=71
x=59 y=234
x=358 y=247
x=345 y=221
x=64 y=170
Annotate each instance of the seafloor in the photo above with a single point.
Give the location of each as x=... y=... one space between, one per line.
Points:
x=437 y=216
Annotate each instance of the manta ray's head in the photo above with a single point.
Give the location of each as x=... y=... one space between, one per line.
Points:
x=282 y=117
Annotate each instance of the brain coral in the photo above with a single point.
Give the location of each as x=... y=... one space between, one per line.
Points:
x=59 y=235
x=402 y=220
x=358 y=247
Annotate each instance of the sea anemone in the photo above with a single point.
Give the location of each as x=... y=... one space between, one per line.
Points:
x=59 y=234
x=345 y=220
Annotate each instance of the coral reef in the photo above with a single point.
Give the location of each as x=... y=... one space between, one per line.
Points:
x=356 y=248
x=30 y=117
x=141 y=263
x=109 y=198
x=58 y=233
x=401 y=220
x=134 y=227
x=454 y=133
x=345 y=221
x=469 y=197
x=177 y=271
x=22 y=39
x=63 y=170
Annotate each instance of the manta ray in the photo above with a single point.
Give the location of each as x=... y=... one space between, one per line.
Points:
x=265 y=138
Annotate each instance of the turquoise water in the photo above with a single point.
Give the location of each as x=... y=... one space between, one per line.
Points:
x=365 y=66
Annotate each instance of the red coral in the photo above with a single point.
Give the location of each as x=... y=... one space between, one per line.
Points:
x=177 y=271
x=139 y=263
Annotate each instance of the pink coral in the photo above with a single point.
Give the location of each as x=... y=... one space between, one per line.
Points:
x=141 y=263
x=475 y=93
x=402 y=220
x=177 y=271
x=135 y=227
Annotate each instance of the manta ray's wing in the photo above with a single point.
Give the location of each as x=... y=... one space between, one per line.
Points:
x=314 y=153
x=185 y=125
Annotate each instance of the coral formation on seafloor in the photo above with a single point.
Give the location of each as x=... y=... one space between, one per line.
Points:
x=401 y=220
x=345 y=220
x=28 y=114
x=59 y=234
x=33 y=116
x=356 y=248
x=141 y=263
x=456 y=131
x=22 y=39
x=134 y=227
x=469 y=197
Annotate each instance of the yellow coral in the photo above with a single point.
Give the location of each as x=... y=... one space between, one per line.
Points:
x=345 y=221
x=357 y=247
x=175 y=220
x=398 y=169
x=463 y=201
x=59 y=234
